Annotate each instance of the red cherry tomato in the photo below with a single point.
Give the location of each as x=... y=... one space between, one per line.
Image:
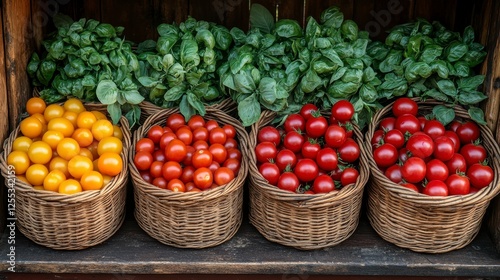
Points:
x=468 y=132
x=458 y=184
x=414 y=170
x=480 y=175
x=171 y=170
x=155 y=133
x=306 y=170
x=286 y=158
x=269 y=134
x=175 y=121
x=295 y=122
x=349 y=151
x=310 y=149
x=444 y=148
x=195 y=122
x=270 y=172
x=327 y=159
x=385 y=155
x=223 y=176
x=289 y=182
x=420 y=145
x=436 y=170
x=265 y=151
x=404 y=105
x=335 y=136
x=473 y=153
x=217 y=135
x=407 y=123
x=456 y=164
x=143 y=160
x=203 y=178
x=387 y=123
x=436 y=188
x=349 y=176
x=434 y=129
x=293 y=141
x=395 y=137
x=316 y=126
x=307 y=109
x=176 y=150
x=202 y=158
x=343 y=110
x=219 y=153
x=393 y=173
x=323 y=184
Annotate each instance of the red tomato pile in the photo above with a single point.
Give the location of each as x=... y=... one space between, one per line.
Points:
x=427 y=157
x=310 y=153
x=188 y=157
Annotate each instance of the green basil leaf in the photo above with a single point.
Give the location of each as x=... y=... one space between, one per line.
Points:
x=474 y=57
x=332 y=17
x=267 y=90
x=368 y=93
x=189 y=53
x=206 y=37
x=222 y=36
x=313 y=29
x=440 y=67
x=175 y=75
x=56 y=50
x=107 y=92
x=349 y=30
x=462 y=69
x=435 y=94
x=77 y=89
x=368 y=75
x=332 y=56
x=238 y=58
x=33 y=64
x=477 y=115
x=447 y=87
x=343 y=49
x=115 y=112
x=50 y=95
x=471 y=98
x=359 y=47
x=186 y=109
x=46 y=71
x=341 y=89
x=175 y=93
x=244 y=83
x=377 y=50
x=443 y=114
x=288 y=28
x=261 y=18
x=146 y=46
x=133 y=96
x=431 y=53
x=353 y=75
x=249 y=110
x=158 y=91
x=89 y=81
x=392 y=60
x=310 y=81
x=167 y=29
x=470 y=83
x=455 y=51
x=238 y=35
x=105 y=30
x=133 y=115
x=195 y=102
x=468 y=37
x=338 y=74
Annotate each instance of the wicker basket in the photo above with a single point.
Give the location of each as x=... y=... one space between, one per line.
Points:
x=227 y=106
x=70 y=222
x=192 y=219
x=303 y=221
x=424 y=223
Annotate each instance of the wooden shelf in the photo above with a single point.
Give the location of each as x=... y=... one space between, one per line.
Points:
x=132 y=251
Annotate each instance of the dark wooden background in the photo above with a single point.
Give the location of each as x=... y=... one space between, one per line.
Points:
x=24 y=23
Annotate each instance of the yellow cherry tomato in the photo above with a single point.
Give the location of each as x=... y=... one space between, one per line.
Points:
x=107 y=179
x=35 y=105
x=23 y=179
x=40 y=117
x=117 y=132
x=83 y=136
x=74 y=105
x=36 y=173
x=40 y=152
x=110 y=164
x=53 y=111
x=85 y=120
x=86 y=153
x=92 y=180
x=99 y=115
x=31 y=127
x=101 y=129
x=93 y=149
x=58 y=163
x=21 y=143
x=62 y=125
x=71 y=116
x=109 y=144
x=79 y=165
x=19 y=160
x=53 y=180
x=52 y=138
x=68 y=148
x=70 y=186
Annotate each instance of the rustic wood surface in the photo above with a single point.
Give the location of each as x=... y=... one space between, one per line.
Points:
x=133 y=251
x=4 y=115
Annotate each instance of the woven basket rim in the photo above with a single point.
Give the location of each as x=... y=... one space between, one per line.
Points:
x=84 y=196
x=159 y=118
x=486 y=193
x=312 y=200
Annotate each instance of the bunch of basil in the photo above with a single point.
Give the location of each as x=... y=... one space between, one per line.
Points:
x=256 y=72
x=180 y=68
x=333 y=65
x=88 y=60
x=430 y=61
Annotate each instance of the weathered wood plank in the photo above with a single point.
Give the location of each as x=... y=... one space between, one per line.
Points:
x=19 y=35
x=171 y=11
x=378 y=16
x=134 y=15
x=4 y=118
x=206 y=10
x=236 y=13
x=131 y=250
x=442 y=11
x=291 y=9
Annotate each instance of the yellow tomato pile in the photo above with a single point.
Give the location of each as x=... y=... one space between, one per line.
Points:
x=66 y=149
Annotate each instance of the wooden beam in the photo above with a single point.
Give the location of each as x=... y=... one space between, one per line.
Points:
x=4 y=118
x=19 y=37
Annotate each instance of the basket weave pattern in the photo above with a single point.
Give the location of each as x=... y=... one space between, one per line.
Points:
x=227 y=105
x=303 y=221
x=70 y=222
x=424 y=223
x=192 y=219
